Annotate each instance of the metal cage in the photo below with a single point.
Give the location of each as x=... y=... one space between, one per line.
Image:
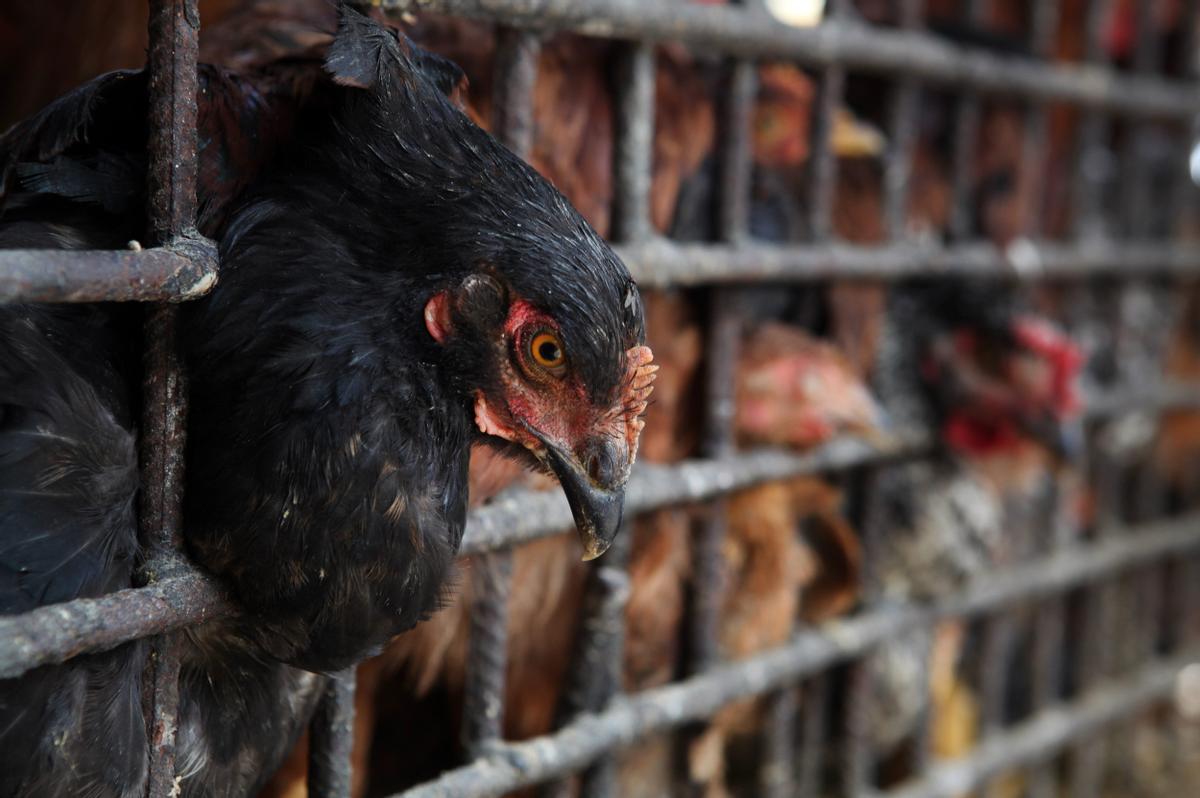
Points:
x=1123 y=557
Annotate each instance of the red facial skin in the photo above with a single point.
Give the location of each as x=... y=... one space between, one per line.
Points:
x=555 y=405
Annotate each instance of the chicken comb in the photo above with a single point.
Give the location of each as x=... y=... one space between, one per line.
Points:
x=638 y=387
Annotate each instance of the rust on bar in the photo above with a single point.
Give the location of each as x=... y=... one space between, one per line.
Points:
x=174 y=46
x=171 y=192
x=186 y=269
x=57 y=632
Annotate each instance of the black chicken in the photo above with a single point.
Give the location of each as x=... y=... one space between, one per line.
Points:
x=395 y=287
x=965 y=360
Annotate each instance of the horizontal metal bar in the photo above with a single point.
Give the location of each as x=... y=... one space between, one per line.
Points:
x=182 y=272
x=661 y=263
x=1160 y=397
x=743 y=32
x=513 y=766
x=522 y=516
x=58 y=632
x=185 y=269
x=1049 y=732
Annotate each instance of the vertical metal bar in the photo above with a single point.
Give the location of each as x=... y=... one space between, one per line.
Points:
x=1091 y=177
x=777 y=775
x=812 y=739
x=867 y=515
x=604 y=635
x=1183 y=190
x=634 y=148
x=173 y=30
x=1048 y=640
x=596 y=672
x=1148 y=53
x=491 y=575
x=174 y=44
x=1189 y=12
x=995 y=646
x=722 y=347
x=824 y=161
x=1048 y=623
x=733 y=212
x=722 y=353
x=776 y=772
x=858 y=763
x=483 y=691
x=331 y=741
x=966 y=135
x=824 y=165
x=1093 y=159
x=1033 y=157
x=1135 y=177
x=905 y=106
x=515 y=67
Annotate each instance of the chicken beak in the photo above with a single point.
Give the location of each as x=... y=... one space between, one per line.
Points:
x=597 y=509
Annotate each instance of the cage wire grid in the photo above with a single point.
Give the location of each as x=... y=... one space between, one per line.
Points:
x=794 y=677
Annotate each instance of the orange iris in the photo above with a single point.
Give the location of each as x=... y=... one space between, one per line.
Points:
x=547 y=351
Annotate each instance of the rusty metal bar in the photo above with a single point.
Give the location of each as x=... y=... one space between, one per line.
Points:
x=812 y=739
x=1094 y=161
x=777 y=773
x=1190 y=11
x=966 y=134
x=483 y=693
x=1136 y=205
x=172 y=150
x=906 y=102
x=736 y=164
x=1049 y=635
x=163 y=274
x=597 y=675
x=515 y=67
x=634 y=146
x=183 y=269
x=724 y=340
x=1044 y=736
x=663 y=263
x=863 y=502
x=512 y=766
x=331 y=739
x=58 y=632
x=823 y=161
x=857 y=758
x=857 y=47
x=1033 y=157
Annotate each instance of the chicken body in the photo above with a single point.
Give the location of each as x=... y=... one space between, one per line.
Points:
x=365 y=334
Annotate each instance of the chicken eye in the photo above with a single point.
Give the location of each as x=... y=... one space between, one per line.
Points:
x=547 y=351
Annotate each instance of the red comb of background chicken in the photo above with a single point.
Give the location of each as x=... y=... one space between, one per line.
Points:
x=1061 y=354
